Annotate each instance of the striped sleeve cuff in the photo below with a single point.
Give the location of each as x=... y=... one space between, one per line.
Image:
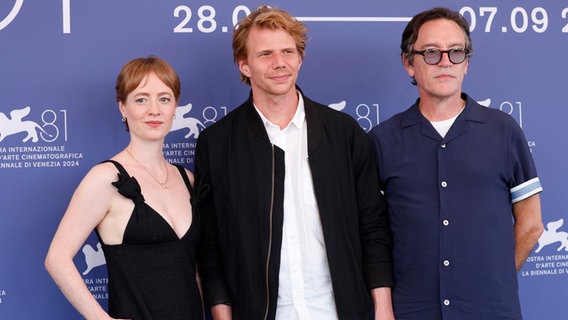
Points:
x=526 y=190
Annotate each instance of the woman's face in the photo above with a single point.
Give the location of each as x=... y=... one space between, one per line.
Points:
x=150 y=109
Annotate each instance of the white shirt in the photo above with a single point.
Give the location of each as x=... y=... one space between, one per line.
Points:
x=305 y=290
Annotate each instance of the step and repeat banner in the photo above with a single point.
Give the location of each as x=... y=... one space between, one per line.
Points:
x=58 y=117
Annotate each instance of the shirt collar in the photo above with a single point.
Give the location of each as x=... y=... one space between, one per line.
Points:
x=472 y=112
x=297 y=119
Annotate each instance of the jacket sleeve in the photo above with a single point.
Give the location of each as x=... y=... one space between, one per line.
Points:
x=209 y=257
x=374 y=227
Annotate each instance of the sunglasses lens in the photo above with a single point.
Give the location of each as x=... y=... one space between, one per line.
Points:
x=457 y=55
x=432 y=57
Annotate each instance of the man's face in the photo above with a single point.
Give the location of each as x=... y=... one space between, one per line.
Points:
x=444 y=79
x=272 y=62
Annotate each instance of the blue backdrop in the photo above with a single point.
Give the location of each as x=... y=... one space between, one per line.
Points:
x=58 y=115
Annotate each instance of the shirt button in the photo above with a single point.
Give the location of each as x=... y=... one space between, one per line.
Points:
x=443 y=146
x=446 y=263
x=444 y=184
x=446 y=302
x=445 y=222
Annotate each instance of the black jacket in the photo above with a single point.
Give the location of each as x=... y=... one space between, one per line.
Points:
x=240 y=185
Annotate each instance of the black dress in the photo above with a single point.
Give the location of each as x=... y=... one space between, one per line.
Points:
x=151 y=275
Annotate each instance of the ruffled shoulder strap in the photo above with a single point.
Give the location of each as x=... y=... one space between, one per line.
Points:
x=127 y=186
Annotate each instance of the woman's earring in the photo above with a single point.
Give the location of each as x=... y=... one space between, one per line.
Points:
x=123 y=119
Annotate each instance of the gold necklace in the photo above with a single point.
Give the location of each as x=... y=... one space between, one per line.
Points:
x=162 y=184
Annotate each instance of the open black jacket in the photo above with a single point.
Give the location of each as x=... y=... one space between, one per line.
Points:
x=240 y=191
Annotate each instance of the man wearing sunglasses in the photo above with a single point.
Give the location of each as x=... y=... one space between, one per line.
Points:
x=460 y=183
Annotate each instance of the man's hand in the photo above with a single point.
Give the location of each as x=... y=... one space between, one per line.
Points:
x=383 y=303
x=221 y=312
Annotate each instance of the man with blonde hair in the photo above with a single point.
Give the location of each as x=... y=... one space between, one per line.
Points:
x=294 y=226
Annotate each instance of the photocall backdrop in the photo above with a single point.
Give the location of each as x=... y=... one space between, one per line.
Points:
x=58 y=115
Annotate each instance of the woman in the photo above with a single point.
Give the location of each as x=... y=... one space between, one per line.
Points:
x=139 y=206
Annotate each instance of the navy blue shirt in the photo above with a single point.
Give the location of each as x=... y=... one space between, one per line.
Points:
x=450 y=204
